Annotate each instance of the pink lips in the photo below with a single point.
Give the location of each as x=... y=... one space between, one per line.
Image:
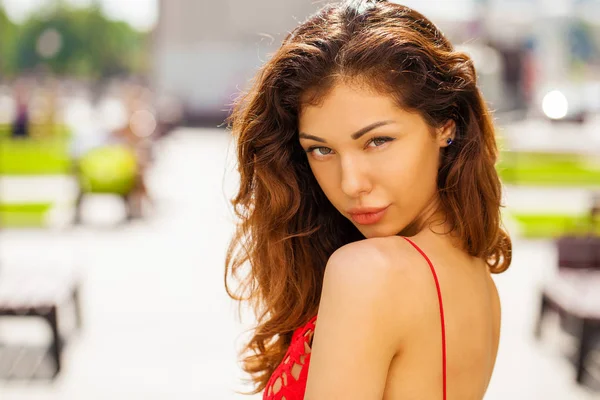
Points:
x=367 y=216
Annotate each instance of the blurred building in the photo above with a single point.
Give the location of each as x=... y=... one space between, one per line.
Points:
x=204 y=51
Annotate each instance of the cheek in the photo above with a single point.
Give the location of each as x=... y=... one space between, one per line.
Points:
x=412 y=172
x=327 y=179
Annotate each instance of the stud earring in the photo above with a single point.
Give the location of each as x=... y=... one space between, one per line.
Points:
x=449 y=141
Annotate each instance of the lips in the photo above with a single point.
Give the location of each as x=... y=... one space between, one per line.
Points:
x=367 y=215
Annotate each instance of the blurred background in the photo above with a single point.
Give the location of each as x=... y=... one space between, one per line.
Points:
x=116 y=170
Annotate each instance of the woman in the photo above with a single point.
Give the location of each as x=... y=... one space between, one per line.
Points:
x=368 y=197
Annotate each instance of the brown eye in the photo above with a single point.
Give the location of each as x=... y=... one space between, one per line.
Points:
x=321 y=151
x=379 y=141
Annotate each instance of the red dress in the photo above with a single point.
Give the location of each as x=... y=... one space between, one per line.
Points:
x=288 y=381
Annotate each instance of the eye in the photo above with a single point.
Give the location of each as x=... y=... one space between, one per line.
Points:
x=319 y=150
x=379 y=141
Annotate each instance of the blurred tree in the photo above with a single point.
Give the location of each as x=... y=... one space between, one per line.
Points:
x=80 y=42
x=8 y=41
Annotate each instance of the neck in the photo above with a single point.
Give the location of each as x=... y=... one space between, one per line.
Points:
x=432 y=219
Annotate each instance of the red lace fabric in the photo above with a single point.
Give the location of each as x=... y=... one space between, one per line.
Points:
x=288 y=381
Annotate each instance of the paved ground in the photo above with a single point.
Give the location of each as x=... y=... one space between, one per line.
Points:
x=158 y=324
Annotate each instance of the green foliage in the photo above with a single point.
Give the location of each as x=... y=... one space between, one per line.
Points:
x=92 y=46
x=8 y=43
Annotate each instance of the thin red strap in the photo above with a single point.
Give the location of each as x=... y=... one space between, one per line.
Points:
x=439 y=293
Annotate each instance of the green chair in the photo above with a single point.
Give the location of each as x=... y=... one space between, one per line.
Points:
x=110 y=169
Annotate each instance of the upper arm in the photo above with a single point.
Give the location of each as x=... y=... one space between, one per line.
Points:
x=359 y=326
x=497 y=315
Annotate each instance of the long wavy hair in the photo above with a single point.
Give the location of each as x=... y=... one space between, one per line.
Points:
x=287 y=227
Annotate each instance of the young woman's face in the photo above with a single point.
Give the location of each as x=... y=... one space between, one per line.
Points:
x=368 y=155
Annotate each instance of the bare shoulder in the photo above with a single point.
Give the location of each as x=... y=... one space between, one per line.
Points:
x=384 y=252
x=358 y=310
x=376 y=273
x=359 y=328
x=370 y=260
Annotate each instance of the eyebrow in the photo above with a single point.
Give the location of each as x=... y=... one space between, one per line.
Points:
x=356 y=135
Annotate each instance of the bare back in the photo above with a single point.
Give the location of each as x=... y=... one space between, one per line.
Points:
x=472 y=323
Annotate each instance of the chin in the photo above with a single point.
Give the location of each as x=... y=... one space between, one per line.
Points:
x=378 y=230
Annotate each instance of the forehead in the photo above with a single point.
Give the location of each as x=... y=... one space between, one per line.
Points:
x=347 y=108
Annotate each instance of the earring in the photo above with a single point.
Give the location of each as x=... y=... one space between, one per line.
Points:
x=449 y=141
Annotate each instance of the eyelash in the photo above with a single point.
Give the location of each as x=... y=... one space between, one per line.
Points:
x=385 y=139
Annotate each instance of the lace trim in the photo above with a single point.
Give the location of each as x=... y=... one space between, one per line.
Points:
x=288 y=381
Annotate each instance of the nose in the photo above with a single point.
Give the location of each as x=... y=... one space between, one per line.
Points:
x=355 y=180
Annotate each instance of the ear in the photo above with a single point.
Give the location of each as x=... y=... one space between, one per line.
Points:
x=445 y=132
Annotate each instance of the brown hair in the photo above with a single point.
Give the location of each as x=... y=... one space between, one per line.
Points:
x=288 y=228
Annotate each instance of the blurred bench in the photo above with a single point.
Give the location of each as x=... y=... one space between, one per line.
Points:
x=40 y=294
x=549 y=169
x=47 y=151
x=30 y=214
x=574 y=292
x=554 y=225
